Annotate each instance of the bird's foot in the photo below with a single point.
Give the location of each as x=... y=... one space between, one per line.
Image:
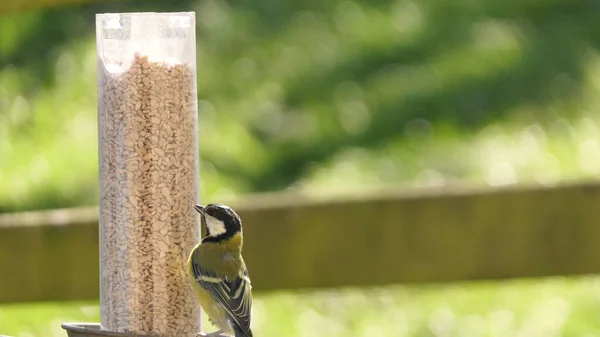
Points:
x=211 y=334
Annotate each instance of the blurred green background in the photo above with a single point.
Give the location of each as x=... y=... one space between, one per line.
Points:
x=326 y=96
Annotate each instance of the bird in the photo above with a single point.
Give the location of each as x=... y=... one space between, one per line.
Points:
x=218 y=272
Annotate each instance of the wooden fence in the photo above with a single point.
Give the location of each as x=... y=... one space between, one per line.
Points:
x=391 y=236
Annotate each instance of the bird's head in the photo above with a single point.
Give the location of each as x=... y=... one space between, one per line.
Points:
x=221 y=221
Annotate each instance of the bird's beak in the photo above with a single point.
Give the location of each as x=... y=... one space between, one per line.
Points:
x=199 y=208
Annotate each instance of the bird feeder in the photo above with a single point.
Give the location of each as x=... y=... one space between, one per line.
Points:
x=148 y=168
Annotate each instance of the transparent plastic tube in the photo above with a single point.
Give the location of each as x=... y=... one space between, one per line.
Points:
x=148 y=166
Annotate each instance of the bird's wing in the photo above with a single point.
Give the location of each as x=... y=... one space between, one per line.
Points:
x=233 y=293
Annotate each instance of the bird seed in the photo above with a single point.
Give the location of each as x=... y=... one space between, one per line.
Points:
x=148 y=166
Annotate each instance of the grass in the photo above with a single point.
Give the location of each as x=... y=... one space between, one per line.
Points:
x=556 y=307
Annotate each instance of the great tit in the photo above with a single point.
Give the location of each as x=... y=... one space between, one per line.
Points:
x=218 y=273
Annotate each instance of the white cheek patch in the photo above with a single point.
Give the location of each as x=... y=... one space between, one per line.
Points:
x=215 y=226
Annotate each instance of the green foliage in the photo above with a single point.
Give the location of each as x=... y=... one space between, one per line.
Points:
x=552 y=307
x=322 y=96
x=333 y=96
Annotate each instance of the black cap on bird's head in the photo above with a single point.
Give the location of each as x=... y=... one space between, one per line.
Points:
x=221 y=221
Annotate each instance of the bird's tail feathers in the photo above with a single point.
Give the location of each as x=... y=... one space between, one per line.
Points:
x=240 y=333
